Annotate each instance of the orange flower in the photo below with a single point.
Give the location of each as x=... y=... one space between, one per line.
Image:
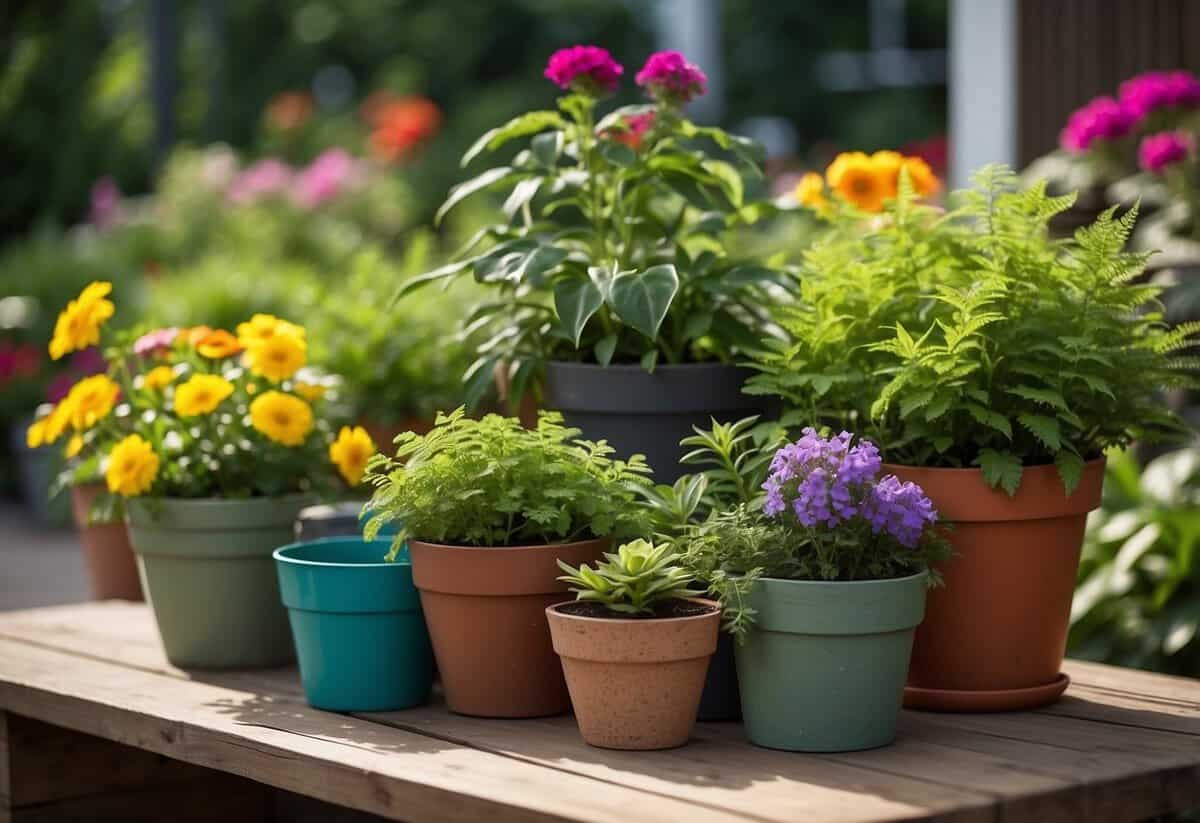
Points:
x=888 y=163
x=217 y=344
x=858 y=180
x=401 y=126
x=289 y=110
x=924 y=181
x=195 y=334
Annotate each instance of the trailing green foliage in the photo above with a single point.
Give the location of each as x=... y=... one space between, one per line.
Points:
x=1138 y=601
x=492 y=482
x=614 y=244
x=637 y=580
x=972 y=339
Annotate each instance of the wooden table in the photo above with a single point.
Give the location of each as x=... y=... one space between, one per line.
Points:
x=95 y=725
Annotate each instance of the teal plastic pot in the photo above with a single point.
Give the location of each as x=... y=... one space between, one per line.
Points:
x=824 y=666
x=207 y=572
x=356 y=619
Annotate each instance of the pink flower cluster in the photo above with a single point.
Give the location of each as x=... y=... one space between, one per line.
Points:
x=1101 y=119
x=1156 y=90
x=669 y=77
x=1158 y=152
x=106 y=210
x=154 y=342
x=333 y=172
x=589 y=69
x=262 y=179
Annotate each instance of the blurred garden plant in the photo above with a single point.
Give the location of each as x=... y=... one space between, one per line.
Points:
x=613 y=245
x=864 y=183
x=1138 y=601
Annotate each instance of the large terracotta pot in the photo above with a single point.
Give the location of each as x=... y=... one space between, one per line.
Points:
x=995 y=634
x=486 y=612
x=111 y=567
x=635 y=683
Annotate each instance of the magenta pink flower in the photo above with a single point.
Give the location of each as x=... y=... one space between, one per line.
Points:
x=588 y=69
x=1101 y=119
x=1156 y=90
x=669 y=77
x=155 y=341
x=1158 y=152
x=106 y=210
x=330 y=174
x=264 y=178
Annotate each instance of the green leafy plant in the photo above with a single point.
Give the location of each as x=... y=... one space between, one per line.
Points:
x=637 y=580
x=970 y=338
x=1138 y=600
x=492 y=482
x=613 y=248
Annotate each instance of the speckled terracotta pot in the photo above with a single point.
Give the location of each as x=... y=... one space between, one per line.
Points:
x=635 y=684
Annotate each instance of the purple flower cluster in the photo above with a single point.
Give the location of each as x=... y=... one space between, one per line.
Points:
x=669 y=77
x=1157 y=152
x=588 y=69
x=1156 y=90
x=828 y=481
x=1101 y=119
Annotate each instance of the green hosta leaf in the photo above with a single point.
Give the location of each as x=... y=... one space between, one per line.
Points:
x=1070 y=469
x=476 y=184
x=1000 y=469
x=604 y=349
x=1045 y=429
x=529 y=123
x=576 y=300
x=643 y=298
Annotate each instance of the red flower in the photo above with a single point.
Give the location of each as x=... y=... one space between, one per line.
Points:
x=401 y=126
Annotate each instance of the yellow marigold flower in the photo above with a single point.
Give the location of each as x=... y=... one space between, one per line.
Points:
x=281 y=417
x=262 y=327
x=74 y=445
x=91 y=399
x=924 y=181
x=217 y=344
x=858 y=180
x=251 y=388
x=35 y=435
x=159 y=377
x=350 y=453
x=310 y=391
x=278 y=357
x=200 y=394
x=78 y=325
x=810 y=191
x=58 y=420
x=132 y=467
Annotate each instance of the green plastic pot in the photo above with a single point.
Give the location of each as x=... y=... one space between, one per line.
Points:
x=824 y=666
x=207 y=571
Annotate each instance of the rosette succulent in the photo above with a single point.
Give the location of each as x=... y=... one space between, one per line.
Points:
x=636 y=580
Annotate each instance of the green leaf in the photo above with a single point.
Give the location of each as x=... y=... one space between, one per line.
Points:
x=576 y=300
x=1070 y=469
x=521 y=194
x=1047 y=397
x=643 y=298
x=1045 y=429
x=476 y=184
x=650 y=360
x=728 y=178
x=604 y=349
x=546 y=148
x=1000 y=469
x=697 y=325
x=529 y=123
x=618 y=154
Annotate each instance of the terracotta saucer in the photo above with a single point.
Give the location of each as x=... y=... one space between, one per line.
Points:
x=1001 y=700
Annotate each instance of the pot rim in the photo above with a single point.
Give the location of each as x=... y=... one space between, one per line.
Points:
x=714 y=607
x=976 y=470
x=280 y=556
x=877 y=581
x=637 y=367
x=220 y=501
x=453 y=547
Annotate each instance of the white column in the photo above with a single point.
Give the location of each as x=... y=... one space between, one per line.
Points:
x=983 y=85
x=694 y=28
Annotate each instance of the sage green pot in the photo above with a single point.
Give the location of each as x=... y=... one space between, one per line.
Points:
x=207 y=571
x=823 y=668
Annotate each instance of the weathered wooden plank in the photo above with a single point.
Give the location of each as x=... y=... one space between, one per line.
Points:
x=1133 y=682
x=339 y=759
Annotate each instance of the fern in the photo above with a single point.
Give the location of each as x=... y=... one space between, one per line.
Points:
x=972 y=338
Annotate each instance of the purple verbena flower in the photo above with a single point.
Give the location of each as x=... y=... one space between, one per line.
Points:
x=1101 y=119
x=669 y=77
x=822 y=479
x=900 y=509
x=588 y=69
x=1158 y=152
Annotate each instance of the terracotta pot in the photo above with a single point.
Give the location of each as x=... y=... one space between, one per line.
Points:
x=635 y=683
x=994 y=635
x=384 y=434
x=112 y=569
x=486 y=612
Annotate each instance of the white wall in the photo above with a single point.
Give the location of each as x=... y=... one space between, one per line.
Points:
x=983 y=99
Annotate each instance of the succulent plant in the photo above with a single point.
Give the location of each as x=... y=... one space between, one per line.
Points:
x=634 y=580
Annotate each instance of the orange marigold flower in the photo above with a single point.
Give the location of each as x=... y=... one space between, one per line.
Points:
x=924 y=181
x=217 y=344
x=858 y=180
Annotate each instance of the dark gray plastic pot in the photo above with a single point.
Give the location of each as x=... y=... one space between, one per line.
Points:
x=642 y=413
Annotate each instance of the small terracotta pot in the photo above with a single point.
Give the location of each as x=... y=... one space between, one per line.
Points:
x=999 y=624
x=635 y=683
x=486 y=612
x=112 y=569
